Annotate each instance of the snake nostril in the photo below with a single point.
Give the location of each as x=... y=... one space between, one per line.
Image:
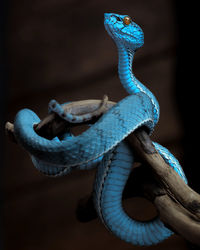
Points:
x=115 y=18
x=118 y=18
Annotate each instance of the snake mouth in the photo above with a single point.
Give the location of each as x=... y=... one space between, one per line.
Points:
x=133 y=37
x=110 y=31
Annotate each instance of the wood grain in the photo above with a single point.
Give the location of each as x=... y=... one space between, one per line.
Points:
x=178 y=205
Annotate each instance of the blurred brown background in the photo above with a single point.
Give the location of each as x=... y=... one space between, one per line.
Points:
x=59 y=49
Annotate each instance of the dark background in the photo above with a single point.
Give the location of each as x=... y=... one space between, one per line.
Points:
x=59 y=49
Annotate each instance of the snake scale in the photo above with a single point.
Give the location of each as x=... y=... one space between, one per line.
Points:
x=103 y=145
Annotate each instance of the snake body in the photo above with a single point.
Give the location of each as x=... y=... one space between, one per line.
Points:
x=102 y=145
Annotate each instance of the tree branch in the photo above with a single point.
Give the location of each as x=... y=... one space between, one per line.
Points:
x=177 y=204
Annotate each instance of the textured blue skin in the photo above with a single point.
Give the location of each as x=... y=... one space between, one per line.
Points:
x=102 y=144
x=109 y=185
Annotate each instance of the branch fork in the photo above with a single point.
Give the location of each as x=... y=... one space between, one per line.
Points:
x=177 y=204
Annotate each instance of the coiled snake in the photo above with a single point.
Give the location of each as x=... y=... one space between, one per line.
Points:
x=102 y=144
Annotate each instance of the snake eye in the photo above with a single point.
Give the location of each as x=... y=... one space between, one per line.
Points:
x=127 y=20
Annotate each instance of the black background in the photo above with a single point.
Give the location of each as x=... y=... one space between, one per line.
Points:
x=59 y=49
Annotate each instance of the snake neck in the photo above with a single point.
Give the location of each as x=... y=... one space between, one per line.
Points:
x=128 y=79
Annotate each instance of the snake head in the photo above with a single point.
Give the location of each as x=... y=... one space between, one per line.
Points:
x=124 y=31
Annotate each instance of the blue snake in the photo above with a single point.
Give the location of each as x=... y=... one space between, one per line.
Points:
x=103 y=145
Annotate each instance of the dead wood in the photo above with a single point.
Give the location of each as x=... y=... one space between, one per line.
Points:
x=177 y=204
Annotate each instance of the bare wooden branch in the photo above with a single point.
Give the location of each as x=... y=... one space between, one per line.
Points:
x=9 y=128
x=178 y=218
x=176 y=188
x=177 y=204
x=52 y=125
x=142 y=182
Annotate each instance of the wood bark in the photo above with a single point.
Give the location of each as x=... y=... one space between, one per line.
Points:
x=177 y=204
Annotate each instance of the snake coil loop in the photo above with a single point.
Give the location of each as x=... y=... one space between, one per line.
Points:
x=102 y=145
